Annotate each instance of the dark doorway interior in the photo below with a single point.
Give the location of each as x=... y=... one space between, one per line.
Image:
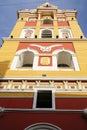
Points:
x=44 y=99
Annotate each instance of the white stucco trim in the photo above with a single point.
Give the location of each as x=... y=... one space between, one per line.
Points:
x=74 y=58
x=14 y=62
x=24 y=50
x=36 y=61
x=60 y=50
x=16 y=58
x=25 y=29
x=53 y=67
x=65 y=29
x=75 y=62
x=42 y=125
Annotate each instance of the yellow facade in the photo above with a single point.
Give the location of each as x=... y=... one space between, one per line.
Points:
x=8 y=51
x=10 y=46
x=77 y=33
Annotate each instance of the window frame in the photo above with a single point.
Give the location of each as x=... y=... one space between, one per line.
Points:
x=16 y=58
x=74 y=60
x=26 y=29
x=66 y=61
x=67 y=30
x=41 y=30
x=35 y=100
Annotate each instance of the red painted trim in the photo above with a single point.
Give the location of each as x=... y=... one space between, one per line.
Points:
x=30 y=23
x=46 y=25
x=50 y=64
x=65 y=45
x=63 y=23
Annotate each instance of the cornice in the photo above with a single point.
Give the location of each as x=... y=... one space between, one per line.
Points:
x=43 y=39
x=73 y=78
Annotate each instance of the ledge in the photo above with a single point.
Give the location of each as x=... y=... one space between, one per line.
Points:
x=43 y=39
x=7 y=110
x=74 y=78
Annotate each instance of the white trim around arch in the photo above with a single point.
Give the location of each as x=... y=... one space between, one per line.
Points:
x=17 y=57
x=42 y=125
x=66 y=30
x=23 y=33
x=36 y=60
x=74 y=58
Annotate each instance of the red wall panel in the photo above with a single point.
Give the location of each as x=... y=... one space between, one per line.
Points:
x=30 y=23
x=21 y=120
x=16 y=102
x=63 y=23
x=65 y=45
x=71 y=103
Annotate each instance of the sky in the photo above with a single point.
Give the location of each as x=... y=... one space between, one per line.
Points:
x=9 y=8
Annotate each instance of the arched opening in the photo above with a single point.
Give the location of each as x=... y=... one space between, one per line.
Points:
x=65 y=33
x=46 y=34
x=28 y=59
x=64 y=60
x=42 y=126
x=27 y=33
x=47 y=21
x=25 y=59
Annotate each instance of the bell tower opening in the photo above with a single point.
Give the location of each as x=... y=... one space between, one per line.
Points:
x=64 y=60
x=25 y=60
x=28 y=59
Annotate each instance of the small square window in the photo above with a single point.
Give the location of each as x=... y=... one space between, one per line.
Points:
x=44 y=99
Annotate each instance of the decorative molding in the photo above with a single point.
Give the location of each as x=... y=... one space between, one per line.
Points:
x=46 y=48
x=43 y=39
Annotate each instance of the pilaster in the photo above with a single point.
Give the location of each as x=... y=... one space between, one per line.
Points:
x=55 y=25
x=75 y=28
x=38 y=26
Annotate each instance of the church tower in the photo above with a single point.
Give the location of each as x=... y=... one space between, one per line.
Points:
x=43 y=72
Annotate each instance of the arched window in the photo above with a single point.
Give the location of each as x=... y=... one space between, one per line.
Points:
x=27 y=33
x=28 y=59
x=47 y=21
x=42 y=126
x=65 y=33
x=25 y=59
x=46 y=34
x=64 y=60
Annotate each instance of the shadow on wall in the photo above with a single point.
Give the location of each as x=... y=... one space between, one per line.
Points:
x=4 y=66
